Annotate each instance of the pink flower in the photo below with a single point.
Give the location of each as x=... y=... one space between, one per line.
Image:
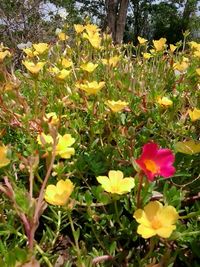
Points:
x=156 y=161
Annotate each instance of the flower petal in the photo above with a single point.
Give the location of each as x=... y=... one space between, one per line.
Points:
x=164 y=156
x=105 y=182
x=152 y=208
x=145 y=232
x=149 y=150
x=165 y=231
x=141 y=217
x=167 y=171
x=127 y=184
x=168 y=215
x=115 y=177
x=67 y=153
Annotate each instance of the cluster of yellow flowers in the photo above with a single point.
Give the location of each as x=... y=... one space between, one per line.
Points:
x=154 y=219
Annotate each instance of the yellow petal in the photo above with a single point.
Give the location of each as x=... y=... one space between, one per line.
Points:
x=141 y=217
x=152 y=208
x=165 y=101
x=165 y=232
x=79 y=28
x=142 y=40
x=115 y=177
x=127 y=184
x=195 y=114
x=168 y=216
x=89 y=67
x=190 y=147
x=105 y=182
x=3 y=156
x=67 y=153
x=145 y=232
x=159 y=44
x=41 y=47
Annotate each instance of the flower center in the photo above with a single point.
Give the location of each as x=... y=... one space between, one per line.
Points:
x=151 y=166
x=156 y=224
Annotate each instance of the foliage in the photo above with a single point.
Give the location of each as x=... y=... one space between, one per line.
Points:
x=66 y=139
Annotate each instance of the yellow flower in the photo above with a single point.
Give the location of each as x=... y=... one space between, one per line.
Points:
x=190 y=147
x=44 y=139
x=116 y=106
x=159 y=44
x=51 y=118
x=112 y=61
x=63 y=36
x=91 y=88
x=66 y=63
x=4 y=54
x=63 y=74
x=182 y=66
x=63 y=148
x=194 y=45
x=115 y=183
x=165 y=101
x=89 y=67
x=142 y=40
x=60 y=74
x=195 y=114
x=156 y=219
x=147 y=55
x=92 y=28
x=79 y=28
x=197 y=53
x=198 y=71
x=41 y=48
x=172 y=48
x=59 y=194
x=94 y=38
x=32 y=67
x=64 y=142
x=3 y=156
x=29 y=52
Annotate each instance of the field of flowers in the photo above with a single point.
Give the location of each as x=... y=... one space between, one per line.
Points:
x=99 y=153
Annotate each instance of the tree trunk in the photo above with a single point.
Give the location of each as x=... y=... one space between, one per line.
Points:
x=121 y=21
x=116 y=18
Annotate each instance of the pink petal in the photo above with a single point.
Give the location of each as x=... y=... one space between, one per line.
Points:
x=164 y=157
x=149 y=174
x=167 y=171
x=149 y=150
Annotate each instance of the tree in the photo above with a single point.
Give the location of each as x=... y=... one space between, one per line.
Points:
x=116 y=18
x=171 y=18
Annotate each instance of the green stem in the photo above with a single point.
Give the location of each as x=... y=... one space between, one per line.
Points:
x=76 y=241
x=117 y=213
x=190 y=233
x=36 y=103
x=190 y=215
x=38 y=248
x=57 y=228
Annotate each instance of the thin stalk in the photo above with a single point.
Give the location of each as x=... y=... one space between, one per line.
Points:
x=76 y=241
x=31 y=177
x=38 y=248
x=117 y=213
x=138 y=199
x=36 y=104
x=190 y=215
x=40 y=198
